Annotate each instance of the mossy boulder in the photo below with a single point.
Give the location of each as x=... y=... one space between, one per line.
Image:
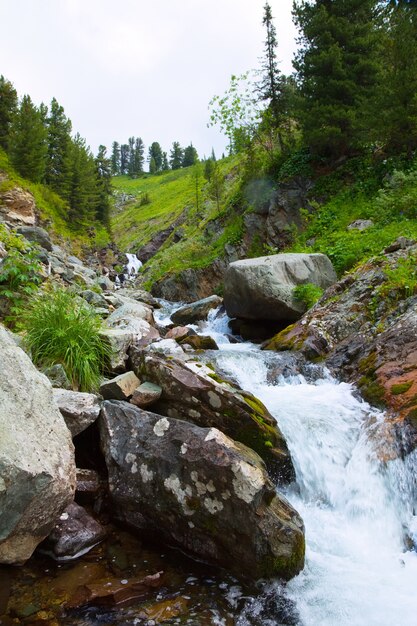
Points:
x=197 y=488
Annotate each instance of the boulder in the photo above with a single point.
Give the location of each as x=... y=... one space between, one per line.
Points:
x=146 y=394
x=200 y=342
x=121 y=387
x=263 y=288
x=78 y=409
x=35 y=234
x=194 y=392
x=57 y=376
x=164 y=346
x=18 y=206
x=196 y=311
x=198 y=488
x=141 y=296
x=360 y=225
x=75 y=533
x=37 y=469
x=179 y=332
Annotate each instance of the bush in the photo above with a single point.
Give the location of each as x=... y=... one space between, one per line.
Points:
x=61 y=328
x=309 y=294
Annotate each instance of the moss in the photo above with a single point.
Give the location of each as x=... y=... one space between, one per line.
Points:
x=372 y=391
x=268 y=444
x=283 y=566
x=397 y=390
x=412 y=418
x=282 y=342
x=367 y=365
x=217 y=378
x=256 y=405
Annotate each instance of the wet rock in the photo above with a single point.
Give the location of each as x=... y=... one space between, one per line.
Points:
x=115 y=592
x=88 y=485
x=201 y=490
x=160 y=612
x=263 y=288
x=146 y=394
x=37 y=469
x=194 y=392
x=179 y=332
x=35 y=234
x=200 y=342
x=121 y=387
x=17 y=206
x=78 y=409
x=57 y=376
x=196 y=311
x=164 y=346
x=75 y=533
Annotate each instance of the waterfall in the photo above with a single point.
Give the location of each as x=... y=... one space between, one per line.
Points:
x=133 y=265
x=358 y=510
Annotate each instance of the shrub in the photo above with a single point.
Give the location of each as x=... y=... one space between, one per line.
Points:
x=309 y=294
x=61 y=328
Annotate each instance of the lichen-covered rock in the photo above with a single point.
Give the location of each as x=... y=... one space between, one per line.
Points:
x=146 y=394
x=79 y=409
x=263 y=288
x=200 y=489
x=37 y=469
x=196 y=311
x=194 y=392
x=121 y=387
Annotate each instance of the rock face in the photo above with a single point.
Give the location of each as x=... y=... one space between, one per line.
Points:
x=18 y=207
x=78 y=409
x=196 y=311
x=37 y=470
x=194 y=392
x=263 y=288
x=365 y=327
x=36 y=235
x=201 y=490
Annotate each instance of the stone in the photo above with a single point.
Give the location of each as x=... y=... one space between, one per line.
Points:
x=128 y=314
x=201 y=490
x=105 y=283
x=179 y=332
x=94 y=298
x=200 y=342
x=121 y=387
x=146 y=394
x=75 y=533
x=196 y=393
x=196 y=311
x=164 y=346
x=57 y=376
x=89 y=485
x=263 y=288
x=18 y=206
x=35 y=234
x=141 y=296
x=79 y=409
x=360 y=225
x=37 y=468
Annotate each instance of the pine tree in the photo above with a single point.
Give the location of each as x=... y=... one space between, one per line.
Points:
x=152 y=166
x=139 y=158
x=82 y=192
x=124 y=158
x=155 y=152
x=176 y=156
x=104 y=189
x=208 y=168
x=190 y=156
x=337 y=67
x=131 y=161
x=165 y=164
x=59 y=142
x=115 y=159
x=8 y=107
x=28 y=145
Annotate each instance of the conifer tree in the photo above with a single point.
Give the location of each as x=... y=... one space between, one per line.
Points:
x=28 y=141
x=165 y=164
x=176 y=156
x=139 y=158
x=82 y=189
x=152 y=166
x=8 y=107
x=216 y=185
x=190 y=156
x=131 y=162
x=104 y=189
x=124 y=158
x=337 y=67
x=115 y=158
x=155 y=152
x=59 y=143
x=208 y=168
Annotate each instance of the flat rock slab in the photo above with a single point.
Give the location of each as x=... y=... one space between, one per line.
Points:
x=121 y=387
x=146 y=394
x=198 y=488
x=263 y=288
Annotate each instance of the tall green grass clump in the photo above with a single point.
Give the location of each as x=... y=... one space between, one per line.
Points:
x=61 y=328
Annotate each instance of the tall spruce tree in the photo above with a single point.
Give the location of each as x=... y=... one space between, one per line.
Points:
x=155 y=152
x=28 y=141
x=337 y=67
x=57 y=171
x=82 y=190
x=104 y=173
x=131 y=161
x=176 y=156
x=124 y=158
x=165 y=164
x=139 y=156
x=115 y=158
x=8 y=107
x=190 y=156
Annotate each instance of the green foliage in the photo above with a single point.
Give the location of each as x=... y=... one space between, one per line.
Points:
x=309 y=294
x=176 y=156
x=8 y=106
x=144 y=199
x=28 y=141
x=401 y=280
x=62 y=328
x=19 y=272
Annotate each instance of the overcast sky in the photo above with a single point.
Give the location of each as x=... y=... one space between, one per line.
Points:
x=136 y=67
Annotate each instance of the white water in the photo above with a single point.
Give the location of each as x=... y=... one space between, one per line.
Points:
x=357 y=510
x=133 y=264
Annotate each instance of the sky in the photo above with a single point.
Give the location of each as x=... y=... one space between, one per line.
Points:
x=136 y=67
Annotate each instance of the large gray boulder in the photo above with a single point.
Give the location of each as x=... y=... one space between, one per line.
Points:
x=263 y=288
x=79 y=409
x=195 y=311
x=198 y=488
x=194 y=392
x=37 y=469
